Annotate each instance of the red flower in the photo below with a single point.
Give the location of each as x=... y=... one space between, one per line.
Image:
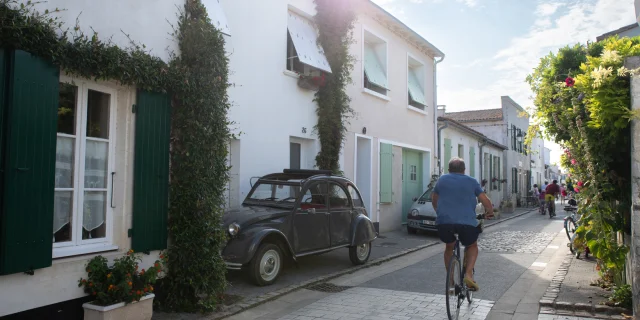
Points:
x=573 y=161
x=580 y=184
x=569 y=81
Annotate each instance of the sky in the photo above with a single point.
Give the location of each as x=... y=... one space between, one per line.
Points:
x=492 y=45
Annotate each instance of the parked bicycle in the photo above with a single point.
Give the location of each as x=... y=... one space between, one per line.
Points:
x=456 y=289
x=571 y=224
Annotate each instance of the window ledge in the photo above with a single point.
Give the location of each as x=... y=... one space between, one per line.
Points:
x=64 y=252
x=290 y=74
x=412 y=108
x=375 y=94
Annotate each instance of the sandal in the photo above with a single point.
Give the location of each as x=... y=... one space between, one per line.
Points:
x=472 y=285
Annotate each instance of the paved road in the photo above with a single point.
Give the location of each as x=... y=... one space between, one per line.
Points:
x=517 y=261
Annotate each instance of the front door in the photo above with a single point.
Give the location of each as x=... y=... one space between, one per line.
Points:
x=294 y=155
x=411 y=179
x=311 y=229
x=340 y=209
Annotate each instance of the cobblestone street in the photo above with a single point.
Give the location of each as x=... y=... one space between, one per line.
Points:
x=515 y=241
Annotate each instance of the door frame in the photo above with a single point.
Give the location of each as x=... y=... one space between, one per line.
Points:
x=355 y=171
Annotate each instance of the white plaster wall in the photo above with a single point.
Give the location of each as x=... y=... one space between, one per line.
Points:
x=267 y=105
x=145 y=21
x=59 y=282
x=390 y=119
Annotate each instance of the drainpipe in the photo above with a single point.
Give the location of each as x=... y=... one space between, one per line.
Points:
x=436 y=131
x=446 y=124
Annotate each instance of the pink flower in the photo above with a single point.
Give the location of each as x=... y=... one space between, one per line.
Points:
x=576 y=190
x=573 y=161
x=569 y=81
x=580 y=184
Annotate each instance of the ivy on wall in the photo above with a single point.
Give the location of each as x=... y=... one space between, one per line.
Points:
x=334 y=19
x=196 y=79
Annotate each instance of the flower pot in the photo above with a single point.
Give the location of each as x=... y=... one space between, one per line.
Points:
x=507 y=209
x=140 y=310
x=307 y=83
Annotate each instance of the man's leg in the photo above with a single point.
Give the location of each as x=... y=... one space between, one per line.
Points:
x=470 y=255
x=448 y=253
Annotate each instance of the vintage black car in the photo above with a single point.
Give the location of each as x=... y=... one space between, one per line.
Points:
x=293 y=214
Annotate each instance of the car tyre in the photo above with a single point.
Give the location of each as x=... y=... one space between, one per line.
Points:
x=266 y=264
x=360 y=254
x=411 y=230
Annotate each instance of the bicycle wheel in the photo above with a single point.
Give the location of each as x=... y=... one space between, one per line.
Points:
x=454 y=288
x=570 y=227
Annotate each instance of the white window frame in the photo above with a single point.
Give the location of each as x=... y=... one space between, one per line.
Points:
x=423 y=70
x=77 y=245
x=366 y=30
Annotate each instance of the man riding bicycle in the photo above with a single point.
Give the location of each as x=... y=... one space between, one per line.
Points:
x=454 y=200
x=552 y=192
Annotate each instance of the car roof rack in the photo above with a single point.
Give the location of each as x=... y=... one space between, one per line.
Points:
x=309 y=172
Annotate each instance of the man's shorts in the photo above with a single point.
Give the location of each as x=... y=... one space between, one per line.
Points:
x=467 y=234
x=549 y=198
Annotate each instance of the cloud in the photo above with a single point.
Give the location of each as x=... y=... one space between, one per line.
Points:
x=547 y=9
x=469 y=3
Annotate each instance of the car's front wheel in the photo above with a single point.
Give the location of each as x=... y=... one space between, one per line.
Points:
x=360 y=254
x=266 y=265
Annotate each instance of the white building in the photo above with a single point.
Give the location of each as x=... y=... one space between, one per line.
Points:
x=483 y=156
x=507 y=125
x=537 y=151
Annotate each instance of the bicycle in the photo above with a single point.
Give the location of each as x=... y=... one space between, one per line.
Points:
x=457 y=292
x=552 y=208
x=570 y=225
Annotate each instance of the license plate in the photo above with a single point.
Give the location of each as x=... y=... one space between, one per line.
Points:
x=428 y=222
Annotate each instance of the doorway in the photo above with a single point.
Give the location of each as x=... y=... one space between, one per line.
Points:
x=363 y=170
x=411 y=179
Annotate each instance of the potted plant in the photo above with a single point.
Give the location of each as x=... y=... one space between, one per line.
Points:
x=120 y=291
x=496 y=213
x=507 y=206
x=311 y=82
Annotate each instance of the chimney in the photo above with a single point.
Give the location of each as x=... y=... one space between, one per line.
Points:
x=442 y=110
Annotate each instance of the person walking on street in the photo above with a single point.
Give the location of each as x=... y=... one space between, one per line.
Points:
x=454 y=199
x=563 y=193
x=541 y=194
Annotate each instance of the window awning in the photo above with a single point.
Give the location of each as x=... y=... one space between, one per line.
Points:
x=416 y=91
x=373 y=68
x=218 y=18
x=304 y=36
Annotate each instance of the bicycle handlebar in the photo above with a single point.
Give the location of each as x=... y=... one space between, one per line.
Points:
x=480 y=216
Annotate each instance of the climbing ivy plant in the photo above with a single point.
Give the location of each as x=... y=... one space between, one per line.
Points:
x=196 y=79
x=334 y=19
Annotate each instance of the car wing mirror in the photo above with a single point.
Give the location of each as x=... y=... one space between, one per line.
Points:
x=415 y=198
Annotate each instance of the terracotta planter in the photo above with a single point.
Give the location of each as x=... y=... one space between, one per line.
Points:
x=141 y=310
x=307 y=83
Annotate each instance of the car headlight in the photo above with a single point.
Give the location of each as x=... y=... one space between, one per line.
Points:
x=234 y=228
x=414 y=212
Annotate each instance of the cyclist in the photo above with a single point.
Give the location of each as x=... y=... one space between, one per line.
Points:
x=552 y=191
x=454 y=200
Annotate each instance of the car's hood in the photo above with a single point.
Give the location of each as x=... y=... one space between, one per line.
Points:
x=247 y=215
x=425 y=209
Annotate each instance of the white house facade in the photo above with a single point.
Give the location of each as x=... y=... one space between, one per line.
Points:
x=507 y=125
x=536 y=150
x=389 y=148
x=483 y=156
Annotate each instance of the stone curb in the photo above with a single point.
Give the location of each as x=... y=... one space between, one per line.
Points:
x=549 y=305
x=256 y=301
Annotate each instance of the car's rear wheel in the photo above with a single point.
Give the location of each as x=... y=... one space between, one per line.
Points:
x=411 y=230
x=266 y=265
x=360 y=254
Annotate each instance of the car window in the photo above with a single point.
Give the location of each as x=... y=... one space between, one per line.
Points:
x=275 y=193
x=315 y=197
x=355 y=196
x=426 y=196
x=338 y=197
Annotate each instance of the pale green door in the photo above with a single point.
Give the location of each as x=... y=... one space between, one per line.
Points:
x=411 y=179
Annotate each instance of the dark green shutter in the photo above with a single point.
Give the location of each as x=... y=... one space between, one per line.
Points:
x=30 y=122
x=151 y=172
x=472 y=162
x=491 y=173
x=386 y=175
x=447 y=155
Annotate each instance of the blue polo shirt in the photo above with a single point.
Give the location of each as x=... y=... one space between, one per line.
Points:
x=457 y=199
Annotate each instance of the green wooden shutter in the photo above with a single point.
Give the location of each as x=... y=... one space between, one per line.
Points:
x=30 y=107
x=151 y=172
x=499 y=175
x=472 y=162
x=447 y=155
x=386 y=169
x=491 y=173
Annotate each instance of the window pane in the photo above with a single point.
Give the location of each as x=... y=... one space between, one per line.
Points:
x=67 y=108
x=357 y=202
x=94 y=215
x=65 y=162
x=338 y=198
x=98 y=114
x=315 y=197
x=95 y=166
x=62 y=213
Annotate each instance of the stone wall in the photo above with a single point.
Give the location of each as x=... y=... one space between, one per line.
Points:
x=633 y=267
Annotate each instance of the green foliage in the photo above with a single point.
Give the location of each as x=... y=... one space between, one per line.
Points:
x=122 y=282
x=590 y=119
x=199 y=137
x=197 y=80
x=621 y=297
x=334 y=19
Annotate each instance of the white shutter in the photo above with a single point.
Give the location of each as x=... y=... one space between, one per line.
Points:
x=304 y=36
